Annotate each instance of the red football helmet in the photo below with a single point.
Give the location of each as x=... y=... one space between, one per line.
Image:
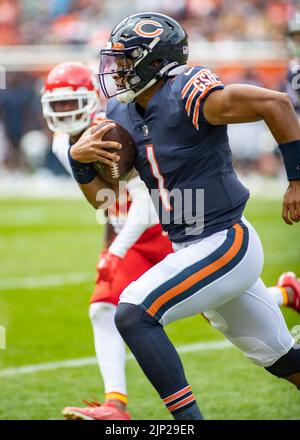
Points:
x=75 y=87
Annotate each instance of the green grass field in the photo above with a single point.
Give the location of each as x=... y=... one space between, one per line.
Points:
x=48 y=253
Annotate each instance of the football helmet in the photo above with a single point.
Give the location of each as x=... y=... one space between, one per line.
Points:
x=293 y=36
x=142 y=49
x=72 y=83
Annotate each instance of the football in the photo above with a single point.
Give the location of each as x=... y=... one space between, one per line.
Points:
x=120 y=170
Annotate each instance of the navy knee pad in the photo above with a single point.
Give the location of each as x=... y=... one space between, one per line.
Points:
x=131 y=317
x=288 y=364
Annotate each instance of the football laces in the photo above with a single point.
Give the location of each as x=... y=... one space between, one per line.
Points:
x=115 y=172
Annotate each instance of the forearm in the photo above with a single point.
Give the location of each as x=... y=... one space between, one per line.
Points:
x=281 y=118
x=89 y=190
x=62 y=156
x=88 y=149
x=141 y=216
x=239 y=103
x=109 y=235
x=94 y=195
x=131 y=231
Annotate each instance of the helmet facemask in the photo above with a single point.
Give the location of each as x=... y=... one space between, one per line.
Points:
x=116 y=73
x=73 y=121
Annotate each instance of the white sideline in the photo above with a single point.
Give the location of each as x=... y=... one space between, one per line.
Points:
x=45 y=281
x=74 y=363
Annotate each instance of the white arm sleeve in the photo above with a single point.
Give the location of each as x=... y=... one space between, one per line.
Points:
x=61 y=144
x=60 y=148
x=141 y=216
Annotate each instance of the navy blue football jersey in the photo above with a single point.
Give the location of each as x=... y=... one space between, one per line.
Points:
x=179 y=154
x=293 y=84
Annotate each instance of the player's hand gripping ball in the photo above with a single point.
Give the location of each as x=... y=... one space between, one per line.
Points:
x=119 y=170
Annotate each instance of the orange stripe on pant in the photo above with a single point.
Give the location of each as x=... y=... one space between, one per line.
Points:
x=201 y=274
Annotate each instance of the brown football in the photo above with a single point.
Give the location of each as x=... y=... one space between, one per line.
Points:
x=127 y=153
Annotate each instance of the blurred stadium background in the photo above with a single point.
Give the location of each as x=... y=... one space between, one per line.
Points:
x=244 y=41
x=49 y=238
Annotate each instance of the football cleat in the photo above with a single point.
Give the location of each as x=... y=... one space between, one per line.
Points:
x=289 y=279
x=96 y=411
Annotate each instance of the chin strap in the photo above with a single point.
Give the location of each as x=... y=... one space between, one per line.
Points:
x=171 y=69
x=130 y=95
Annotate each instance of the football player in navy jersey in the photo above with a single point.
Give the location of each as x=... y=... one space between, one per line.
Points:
x=292 y=86
x=178 y=117
x=293 y=76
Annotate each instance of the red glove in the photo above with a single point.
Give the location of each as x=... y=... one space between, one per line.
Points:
x=108 y=266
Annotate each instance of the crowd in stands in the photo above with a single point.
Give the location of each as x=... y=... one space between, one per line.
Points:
x=30 y=22
x=80 y=21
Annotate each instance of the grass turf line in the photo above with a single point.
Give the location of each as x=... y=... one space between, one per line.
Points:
x=42 y=238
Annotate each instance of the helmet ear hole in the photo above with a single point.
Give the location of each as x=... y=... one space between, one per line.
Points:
x=156 y=63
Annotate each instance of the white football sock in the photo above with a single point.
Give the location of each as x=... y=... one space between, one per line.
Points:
x=109 y=346
x=279 y=295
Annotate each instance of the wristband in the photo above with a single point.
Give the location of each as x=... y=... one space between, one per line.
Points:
x=291 y=157
x=82 y=172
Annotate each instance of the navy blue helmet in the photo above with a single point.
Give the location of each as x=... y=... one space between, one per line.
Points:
x=142 y=49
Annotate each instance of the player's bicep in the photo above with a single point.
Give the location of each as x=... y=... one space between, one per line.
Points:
x=237 y=103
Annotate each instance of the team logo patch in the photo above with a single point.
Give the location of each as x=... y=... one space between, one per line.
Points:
x=148 y=28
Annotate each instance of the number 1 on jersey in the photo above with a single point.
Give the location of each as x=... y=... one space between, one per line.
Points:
x=159 y=177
